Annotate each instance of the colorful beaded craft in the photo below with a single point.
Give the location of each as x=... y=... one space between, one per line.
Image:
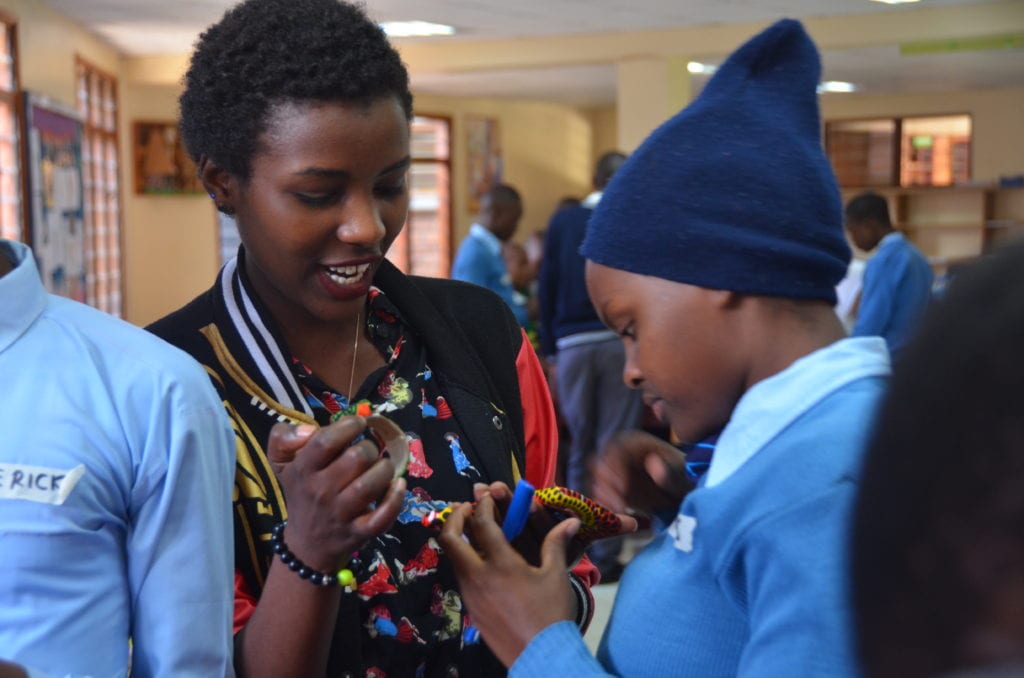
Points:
x=597 y=522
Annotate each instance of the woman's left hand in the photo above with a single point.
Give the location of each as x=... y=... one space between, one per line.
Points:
x=509 y=600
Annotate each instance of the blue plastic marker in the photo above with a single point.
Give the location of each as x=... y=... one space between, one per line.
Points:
x=515 y=521
x=518 y=510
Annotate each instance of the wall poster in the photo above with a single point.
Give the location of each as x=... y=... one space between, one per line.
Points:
x=53 y=146
x=483 y=159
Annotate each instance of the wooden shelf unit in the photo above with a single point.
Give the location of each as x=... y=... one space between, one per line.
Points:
x=956 y=223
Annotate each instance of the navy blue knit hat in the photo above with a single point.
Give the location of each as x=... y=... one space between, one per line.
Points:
x=734 y=192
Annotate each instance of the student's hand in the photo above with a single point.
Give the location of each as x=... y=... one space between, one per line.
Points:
x=638 y=471
x=10 y=670
x=509 y=600
x=540 y=522
x=550 y=366
x=331 y=486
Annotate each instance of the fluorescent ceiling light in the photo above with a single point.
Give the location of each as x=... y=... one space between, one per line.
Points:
x=894 y=2
x=698 y=67
x=415 y=29
x=837 y=86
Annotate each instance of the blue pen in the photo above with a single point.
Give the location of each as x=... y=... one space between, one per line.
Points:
x=518 y=510
x=515 y=521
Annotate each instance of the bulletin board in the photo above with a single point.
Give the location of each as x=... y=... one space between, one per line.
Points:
x=53 y=149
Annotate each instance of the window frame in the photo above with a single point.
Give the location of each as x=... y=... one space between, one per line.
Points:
x=84 y=66
x=12 y=97
x=447 y=164
x=896 y=150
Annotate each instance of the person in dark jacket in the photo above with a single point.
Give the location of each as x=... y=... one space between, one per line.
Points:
x=297 y=114
x=584 y=355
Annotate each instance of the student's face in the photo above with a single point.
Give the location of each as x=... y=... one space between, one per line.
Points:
x=677 y=347
x=327 y=196
x=862 y=234
x=506 y=218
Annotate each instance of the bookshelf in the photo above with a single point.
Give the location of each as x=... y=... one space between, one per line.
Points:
x=952 y=224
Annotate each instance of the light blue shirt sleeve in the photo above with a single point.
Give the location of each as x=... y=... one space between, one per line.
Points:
x=474 y=263
x=558 y=650
x=794 y=613
x=479 y=261
x=876 y=301
x=179 y=571
x=897 y=289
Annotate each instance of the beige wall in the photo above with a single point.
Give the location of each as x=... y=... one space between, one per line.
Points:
x=171 y=241
x=998 y=141
x=604 y=131
x=996 y=114
x=47 y=45
x=547 y=151
x=922 y=22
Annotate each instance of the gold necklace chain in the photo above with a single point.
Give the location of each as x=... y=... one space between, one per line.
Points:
x=355 y=351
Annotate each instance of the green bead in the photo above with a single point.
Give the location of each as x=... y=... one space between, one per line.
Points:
x=346 y=578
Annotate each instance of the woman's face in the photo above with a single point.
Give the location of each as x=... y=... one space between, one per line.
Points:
x=678 y=342
x=327 y=195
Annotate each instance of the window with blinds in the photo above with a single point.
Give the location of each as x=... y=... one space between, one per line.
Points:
x=930 y=150
x=97 y=105
x=424 y=246
x=10 y=175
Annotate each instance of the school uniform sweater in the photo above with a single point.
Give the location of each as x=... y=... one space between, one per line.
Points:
x=565 y=307
x=897 y=287
x=751 y=577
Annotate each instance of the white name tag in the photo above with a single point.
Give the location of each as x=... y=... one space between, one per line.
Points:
x=681 y=530
x=37 y=483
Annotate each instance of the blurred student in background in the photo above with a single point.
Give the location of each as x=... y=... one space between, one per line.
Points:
x=938 y=567
x=897 y=280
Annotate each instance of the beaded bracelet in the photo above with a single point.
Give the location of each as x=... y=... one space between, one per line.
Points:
x=344 y=577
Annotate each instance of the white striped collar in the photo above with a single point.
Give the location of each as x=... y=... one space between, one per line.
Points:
x=274 y=366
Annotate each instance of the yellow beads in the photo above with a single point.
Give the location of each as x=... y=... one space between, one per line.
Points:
x=346 y=578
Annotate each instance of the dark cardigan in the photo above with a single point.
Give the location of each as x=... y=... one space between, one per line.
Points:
x=473 y=340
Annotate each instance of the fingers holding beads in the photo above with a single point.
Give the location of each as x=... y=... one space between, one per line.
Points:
x=339 y=491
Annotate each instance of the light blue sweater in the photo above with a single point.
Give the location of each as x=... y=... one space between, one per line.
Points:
x=751 y=577
x=479 y=261
x=897 y=287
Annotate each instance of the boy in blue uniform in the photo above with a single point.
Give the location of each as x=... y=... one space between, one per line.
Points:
x=897 y=280
x=723 y=300
x=479 y=259
x=116 y=471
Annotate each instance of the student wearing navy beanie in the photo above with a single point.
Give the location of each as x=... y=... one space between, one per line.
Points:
x=734 y=192
x=714 y=254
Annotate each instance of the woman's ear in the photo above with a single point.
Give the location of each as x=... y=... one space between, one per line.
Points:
x=726 y=299
x=220 y=184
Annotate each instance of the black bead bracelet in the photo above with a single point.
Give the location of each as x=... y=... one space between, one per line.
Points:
x=315 y=577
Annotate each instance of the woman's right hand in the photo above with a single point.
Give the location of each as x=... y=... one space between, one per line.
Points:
x=639 y=471
x=339 y=494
